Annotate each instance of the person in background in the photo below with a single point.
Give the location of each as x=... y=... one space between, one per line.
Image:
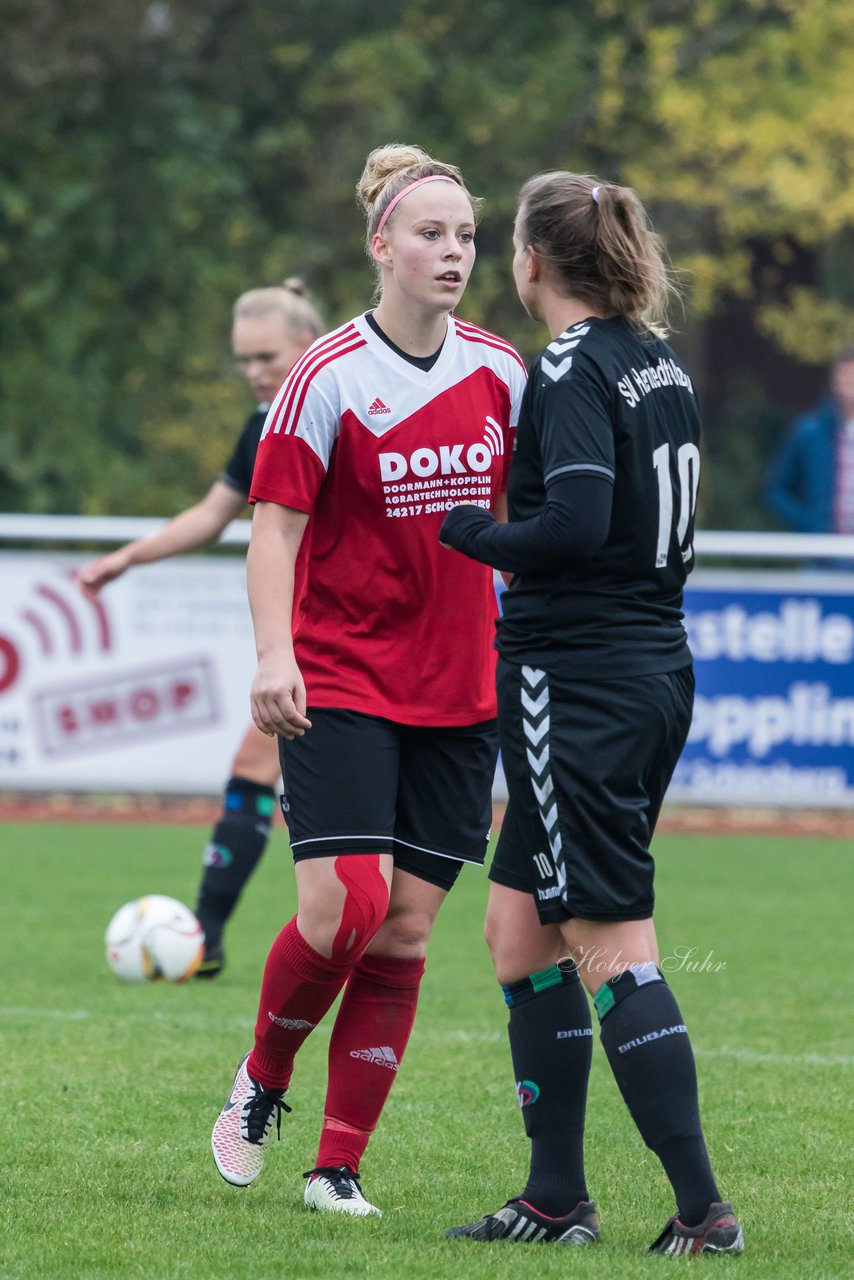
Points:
x=271 y=328
x=375 y=662
x=595 y=693
x=811 y=481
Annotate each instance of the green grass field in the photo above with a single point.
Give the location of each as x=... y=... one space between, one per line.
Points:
x=109 y=1091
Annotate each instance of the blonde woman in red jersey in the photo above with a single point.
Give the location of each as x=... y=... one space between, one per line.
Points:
x=375 y=660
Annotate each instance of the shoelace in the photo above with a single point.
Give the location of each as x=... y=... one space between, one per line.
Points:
x=258 y=1112
x=345 y=1182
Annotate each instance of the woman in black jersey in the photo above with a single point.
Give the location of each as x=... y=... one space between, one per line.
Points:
x=271 y=328
x=595 y=697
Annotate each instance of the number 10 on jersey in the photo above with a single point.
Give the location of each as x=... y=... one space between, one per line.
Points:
x=688 y=481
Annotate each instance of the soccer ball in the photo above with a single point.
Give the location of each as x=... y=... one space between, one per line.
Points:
x=153 y=939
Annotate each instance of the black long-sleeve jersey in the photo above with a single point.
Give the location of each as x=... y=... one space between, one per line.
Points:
x=607 y=400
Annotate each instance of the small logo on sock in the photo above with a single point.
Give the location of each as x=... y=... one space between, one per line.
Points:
x=291 y=1024
x=384 y=1057
x=216 y=855
x=574 y=1033
x=528 y=1092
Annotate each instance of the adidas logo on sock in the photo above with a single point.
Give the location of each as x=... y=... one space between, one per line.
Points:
x=385 y=1057
x=379 y=407
x=290 y=1024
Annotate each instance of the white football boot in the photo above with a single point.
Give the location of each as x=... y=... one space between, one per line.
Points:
x=244 y=1126
x=337 y=1191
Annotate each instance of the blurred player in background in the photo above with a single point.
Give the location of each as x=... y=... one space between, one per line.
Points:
x=384 y=699
x=595 y=692
x=271 y=328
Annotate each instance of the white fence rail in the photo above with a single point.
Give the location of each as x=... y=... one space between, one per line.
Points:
x=120 y=529
x=709 y=543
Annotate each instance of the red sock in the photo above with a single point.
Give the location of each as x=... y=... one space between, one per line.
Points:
x=368 y=1042
x=299 y=987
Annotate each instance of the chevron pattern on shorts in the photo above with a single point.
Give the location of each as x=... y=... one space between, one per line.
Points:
x=534 y=697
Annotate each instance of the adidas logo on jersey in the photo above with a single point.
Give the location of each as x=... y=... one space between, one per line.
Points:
x=379 y=407
x=384 y=1057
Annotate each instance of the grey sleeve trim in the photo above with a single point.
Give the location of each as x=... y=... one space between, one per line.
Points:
x=583 y=468
x=226 y=479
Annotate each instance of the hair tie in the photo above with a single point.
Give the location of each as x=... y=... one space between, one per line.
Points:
x=595 y=194
x=433 y=177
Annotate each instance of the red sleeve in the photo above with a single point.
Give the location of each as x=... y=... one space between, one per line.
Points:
x=287 y=472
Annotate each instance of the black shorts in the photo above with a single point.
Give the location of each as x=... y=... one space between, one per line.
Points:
x=587 y=765
x=360 y=784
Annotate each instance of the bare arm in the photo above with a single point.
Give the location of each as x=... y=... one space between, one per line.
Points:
x=278 y=698
x=190 y=529
x=499 y=510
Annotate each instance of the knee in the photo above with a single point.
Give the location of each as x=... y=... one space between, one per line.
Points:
x=499 y=949
x=506 y=966
x=405 y=933
x=517 y=951
x=492 y=935
x=342 y=929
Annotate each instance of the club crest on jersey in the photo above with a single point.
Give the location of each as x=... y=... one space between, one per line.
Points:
x=448 y=459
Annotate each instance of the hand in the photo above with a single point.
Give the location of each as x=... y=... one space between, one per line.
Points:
x=278 y=699
x=459 y=521
x=97 y=573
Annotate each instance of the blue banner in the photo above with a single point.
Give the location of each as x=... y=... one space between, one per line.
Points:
x=774 y=713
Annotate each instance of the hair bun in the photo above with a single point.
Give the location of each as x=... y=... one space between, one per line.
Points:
x=293 y=284
x=384 y=164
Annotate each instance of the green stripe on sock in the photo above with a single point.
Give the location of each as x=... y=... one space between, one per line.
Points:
x=551 y=977
x=604 y=1001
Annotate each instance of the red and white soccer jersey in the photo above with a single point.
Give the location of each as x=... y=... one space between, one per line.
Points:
x=376 y=450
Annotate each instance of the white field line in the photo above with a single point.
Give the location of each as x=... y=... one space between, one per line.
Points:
x=197 y=1020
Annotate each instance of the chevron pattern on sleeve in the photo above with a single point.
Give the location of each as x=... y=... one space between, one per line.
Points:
x=556 y=360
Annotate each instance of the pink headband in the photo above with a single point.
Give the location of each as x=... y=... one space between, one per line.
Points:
x=434 y=177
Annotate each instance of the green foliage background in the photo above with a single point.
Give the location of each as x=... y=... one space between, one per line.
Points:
x=159 y=157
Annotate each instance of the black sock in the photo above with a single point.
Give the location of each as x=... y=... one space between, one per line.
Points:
x=236 y=844
x=651 y=1057
x=551 y=1042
